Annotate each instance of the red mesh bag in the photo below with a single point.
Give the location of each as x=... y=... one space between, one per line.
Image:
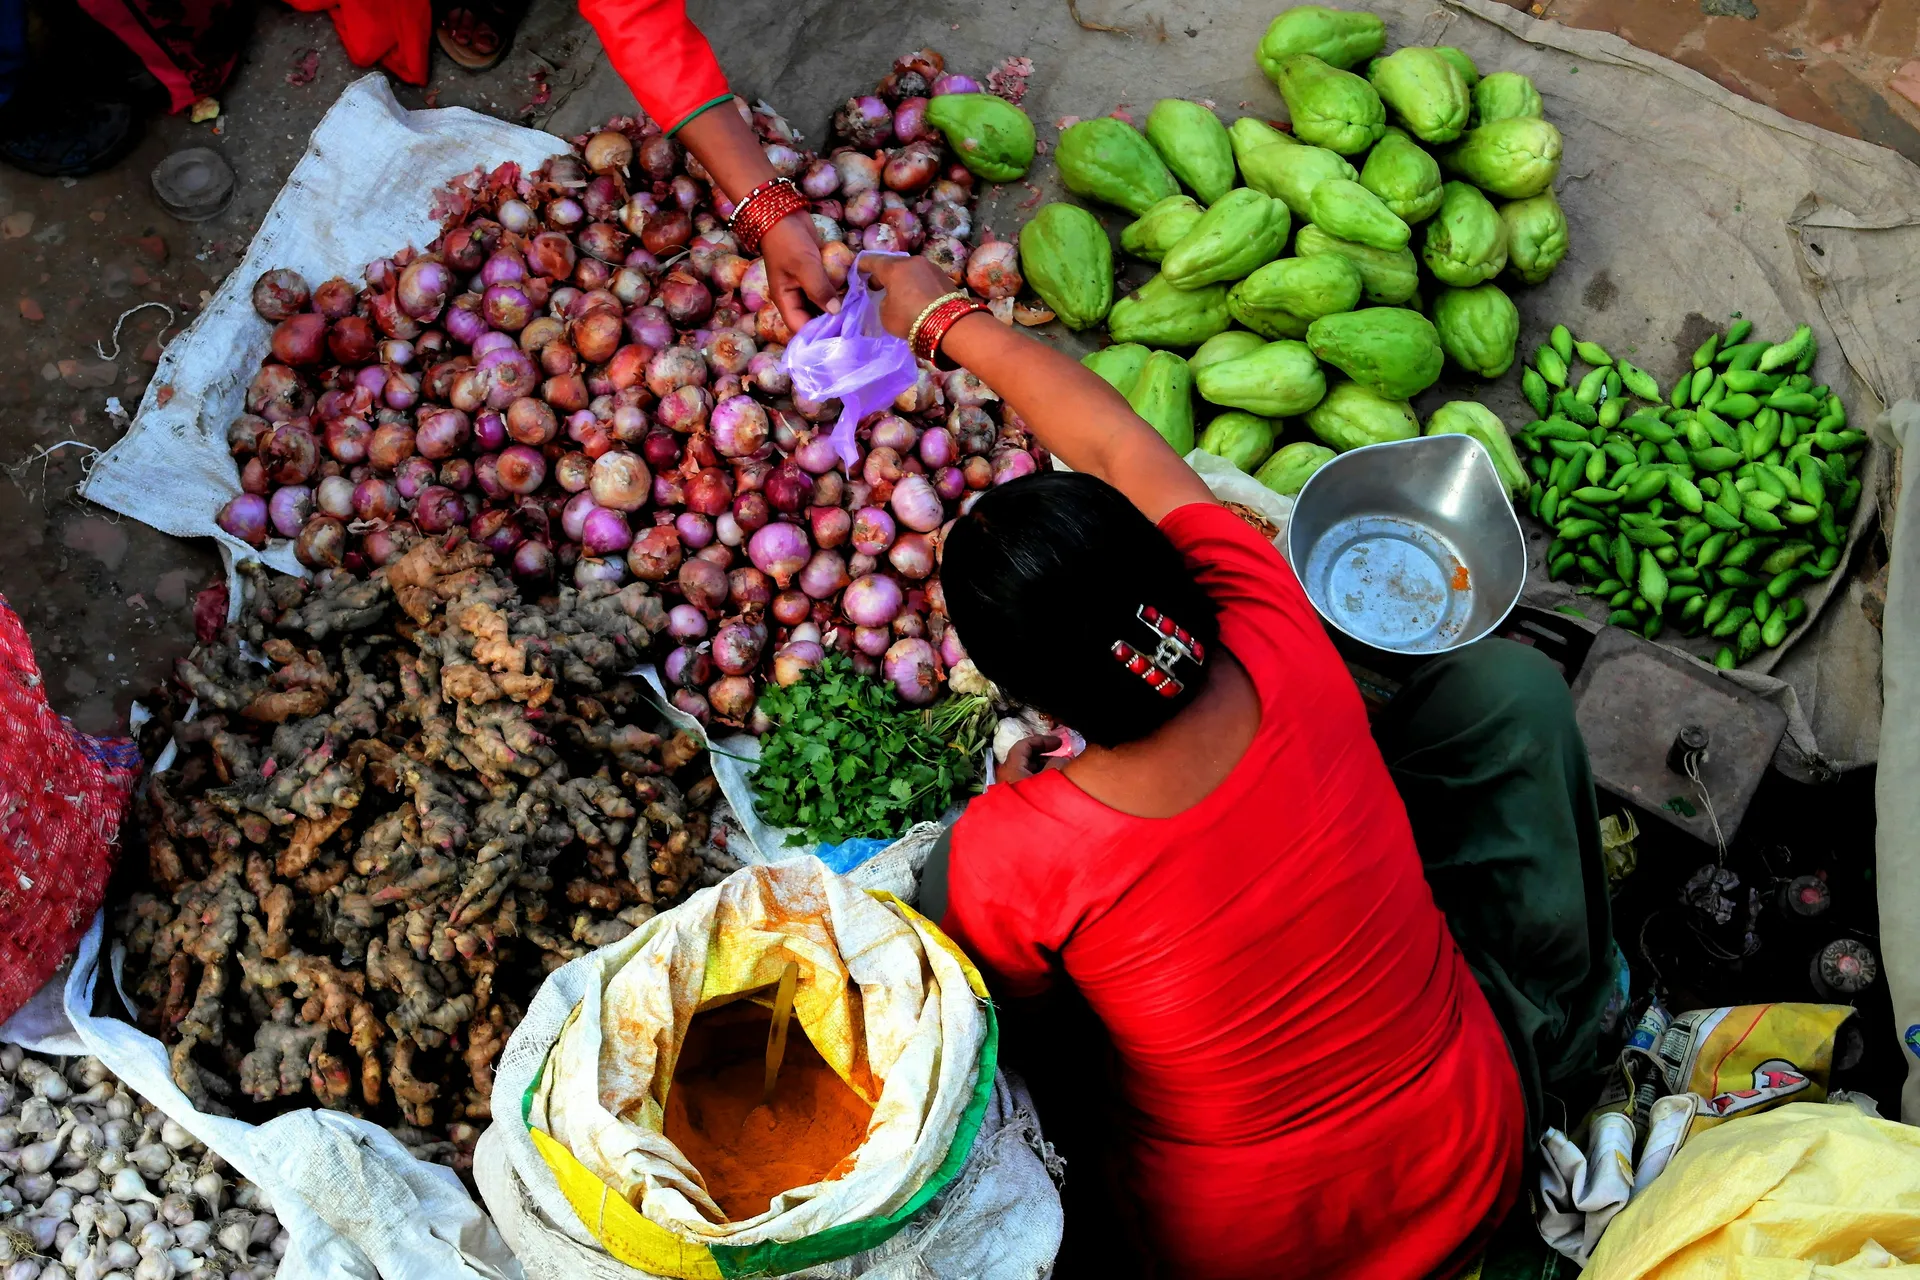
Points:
x=62 y=796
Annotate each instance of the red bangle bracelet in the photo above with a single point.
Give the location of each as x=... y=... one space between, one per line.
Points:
x=933 y=330
x=760 y=208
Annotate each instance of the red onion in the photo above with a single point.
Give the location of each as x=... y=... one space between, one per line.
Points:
x=660 y=448
x=703 y=584
x=528 y=421
x=466 y=319
x=516 y=216
x=910 y=121
x=737 y=646
x=573 y=471
x=910 y=625
x=441 y=433
x=280 y=294
x=792 y=661
x=565 y=213
x=604 y=241
x=911 y=666
x=521 y=469
x=993 y=269
x=351 y=340
x=686 y=666
x=977 y=471
x=779 y=550
x=766 y=371
x=950 y=483
x=872 y=601
x=424 y=287
x=509 y=374
x=684 y=622
x=949 y=82
x=656 y=554
x=824 y=575
x=244 y=432
x=659 y=156
x=731 y=698
x=790 y=608
x=873 y=531
x=386 y=312
x=910 y=169
x=916 y=505
x=882 y=238
x=573 y=515
x=568 y=393
x=504 y=267
x=334 y=496
x=333 y=298
x=715 y=554
x=496 y=530
x=392 y=444
x=347 y=440
x=301 y=339
x=457 y=474
x=863 y=210
x=787 y=488
x=1010 y=464
x=245 y=517
x=739 y=426
x=620 y=480
x=750 y=513
x=882 y=466
x=414 y=475
x=709 y=492
x=489 y=431
x=650 y=331
x=668 y=491
x=605 y=532
x=748 y=588
x=727 y=530
x=288 y=509
x=729 y=351
x=911 y=556
x=389 y=542
x=674 y=367
x=816 y=455
x=438 y=509
x=890 y=431
x=666 y=230
x=872 y=641
x=321 y=544
x=506 y=307
x=830 y=526
x=695 y=530
x=533 y=561
x=596 y=335
x=686 y=300
x=495 y=341
x=864 y=121
x=289 y=453
x=937 y=448
x=375 y=499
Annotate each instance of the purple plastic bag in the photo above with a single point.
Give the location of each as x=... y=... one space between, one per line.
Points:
x=845 y=355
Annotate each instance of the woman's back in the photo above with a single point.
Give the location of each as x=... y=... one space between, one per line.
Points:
x=1312 y=1074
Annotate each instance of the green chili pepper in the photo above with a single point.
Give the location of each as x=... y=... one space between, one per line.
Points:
x=1702 y=380
x=1596 y=468
x=1735 y=577
x=1718 y=458
x=1792 y=402
x=1561 y=563
x=1622 y=454
x=1611 y=412
x=1749 y=640
x=1571 y=529
x=1774 y=631
x=1682 y=393
x=1645 y=486
x=1623 y=618
x=1762 y=605
x=1591 y=352
x=1594 y=493
x=1550 y=504
x=1739 y=405
x=1718 y=606
x=1799 y=513
x=1638 y=381
x=1788 y=352
x=1782 y=583
x=1535 y=389
x=1713 y=548
x=1732 y=621
x=1652 y=581
x=1693 y=537
x=1744 y=356
x=1736 y=333
x=1683 y=593
x=1764 y=521
x=1704 y=353
x=1724 y=659
x=1679 y=570
x=1561 y=340
x=1647 y=536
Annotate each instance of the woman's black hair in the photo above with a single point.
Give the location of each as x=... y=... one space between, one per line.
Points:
x=1045 y=574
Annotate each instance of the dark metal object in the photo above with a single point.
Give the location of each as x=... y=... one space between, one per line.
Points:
x=194 y=184
x=1805 y=898
x=1632 y=699
x=1689 y=747
x=1843 y=969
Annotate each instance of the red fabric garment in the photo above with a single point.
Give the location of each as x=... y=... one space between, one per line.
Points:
x=190 y=46
x=394 y=33
x=660 y=54
x=1314 y=1083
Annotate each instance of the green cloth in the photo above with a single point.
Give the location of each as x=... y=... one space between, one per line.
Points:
x=1483 y=747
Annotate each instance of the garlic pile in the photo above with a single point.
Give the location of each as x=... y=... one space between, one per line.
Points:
x=101 y=1186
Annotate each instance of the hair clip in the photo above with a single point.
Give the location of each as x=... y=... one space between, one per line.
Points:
x=1174 y=644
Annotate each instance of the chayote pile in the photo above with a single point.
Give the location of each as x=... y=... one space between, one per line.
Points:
x=1324 y=272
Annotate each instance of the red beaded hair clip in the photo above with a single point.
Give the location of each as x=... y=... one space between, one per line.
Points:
x=1173 y=644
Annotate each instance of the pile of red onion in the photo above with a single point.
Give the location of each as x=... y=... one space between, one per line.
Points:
x=583 y=374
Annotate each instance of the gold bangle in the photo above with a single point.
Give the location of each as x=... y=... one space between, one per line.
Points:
x=913 y=330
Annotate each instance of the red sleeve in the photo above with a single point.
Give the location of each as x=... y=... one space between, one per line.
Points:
x=661 y=55
x=1000 y=910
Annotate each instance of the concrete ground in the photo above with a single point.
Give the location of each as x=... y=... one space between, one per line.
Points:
x=109 y=602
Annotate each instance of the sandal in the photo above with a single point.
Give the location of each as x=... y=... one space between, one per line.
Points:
x=476 y=34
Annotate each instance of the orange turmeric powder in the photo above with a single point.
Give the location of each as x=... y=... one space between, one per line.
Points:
x=746 y=1150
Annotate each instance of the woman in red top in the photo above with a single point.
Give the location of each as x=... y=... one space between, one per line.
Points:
x=1311 y=1081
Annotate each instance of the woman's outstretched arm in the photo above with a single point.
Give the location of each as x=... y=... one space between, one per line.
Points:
x=1069 y=408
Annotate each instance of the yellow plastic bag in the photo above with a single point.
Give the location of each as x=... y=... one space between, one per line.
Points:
x=1750 y=1057
x=1807 y=1190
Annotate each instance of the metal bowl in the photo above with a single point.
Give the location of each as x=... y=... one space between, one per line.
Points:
x=1409 y=547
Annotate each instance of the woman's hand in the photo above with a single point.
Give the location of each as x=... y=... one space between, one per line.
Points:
x=795 y=273
x=910 y=284
x=1028 y=757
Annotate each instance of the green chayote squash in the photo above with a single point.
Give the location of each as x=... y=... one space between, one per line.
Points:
x=1466 y=240
x=1338 y=37
x=1066 y=257
x=1478 y=328
x=1329 y=107
x=1284 y=169
x=1278 y=380
x=1391 y=350
x=1506 y=95
x=1110 y=160
x=1282 y=298
x=1161 y=227
x=1461 y=63
x=992 y=137
x=1404 y=176
x=1390 y=276
x=1470 y=418
x=1242 y=438
x=1119 y=364
x=1194 y=143
x=1224 y=346
x=1343 y=208
x=1352 y=416
x=1160 y=315
x=1425 y=91
x=1513 y=158
x=1243 y=230
x=1288 y=471
x=1163 y=395
x=1536 y=236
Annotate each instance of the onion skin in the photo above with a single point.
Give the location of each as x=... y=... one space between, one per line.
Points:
x=288 y=508
x=280 y=294
x=605 y=532
x=620 y=481
x=656 y=555
x=245 y=517
x=301 y=339
x=351 y=340
x=322 y=544
x=521 y=469
x=290 y=454
x=872 y=601
x=533 y=562
x=824 y=575
x=993 y=270
x=913 y=669
x=830 y=526
x=703 y=584
x=916 y=505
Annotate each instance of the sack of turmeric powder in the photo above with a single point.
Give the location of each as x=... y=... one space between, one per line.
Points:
x=635 y=1134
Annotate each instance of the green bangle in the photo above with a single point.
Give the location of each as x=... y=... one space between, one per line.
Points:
x=699 y=111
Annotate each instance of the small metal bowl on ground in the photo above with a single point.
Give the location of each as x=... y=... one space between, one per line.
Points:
x=1409 y=547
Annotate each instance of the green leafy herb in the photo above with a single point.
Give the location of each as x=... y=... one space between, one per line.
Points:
x=847 y=759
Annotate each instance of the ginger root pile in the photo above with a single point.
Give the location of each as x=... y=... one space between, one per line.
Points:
x=404 y=800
